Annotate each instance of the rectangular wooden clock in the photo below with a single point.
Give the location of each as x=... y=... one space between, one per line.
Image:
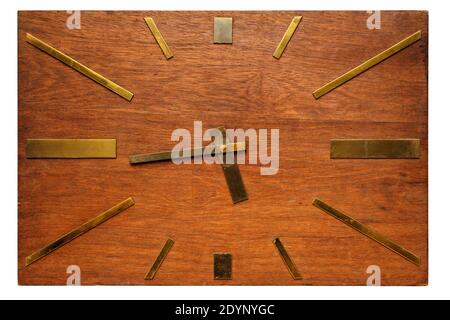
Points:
x=101 y=94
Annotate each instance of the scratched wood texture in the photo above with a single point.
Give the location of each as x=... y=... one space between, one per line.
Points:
x=237 y=86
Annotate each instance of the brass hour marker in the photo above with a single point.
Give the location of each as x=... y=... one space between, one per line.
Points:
x=372 y=234
x=223 y=30
x=187 y=153
x=375 y=149
x=160 y=259
x=287 y=37
x=159 y=38
x=63 y=240
x=290 y=265
x=233 y=176
x=79 y=67
x=222 y=266
x=71 y=148
x=367 y=65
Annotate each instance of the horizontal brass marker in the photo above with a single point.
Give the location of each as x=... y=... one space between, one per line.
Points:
x=186 y=153
x=222 y=266
x=159 y=38
x=290 y=265
x=160 y=259
x=233 y=176
x=375 y=149
x=71 y=148
x=367 y=65
x=63 y=240
x=287 y=37
x=372 y=234
x=79 y=67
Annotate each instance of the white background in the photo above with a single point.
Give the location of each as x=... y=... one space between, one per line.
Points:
x=439 y=157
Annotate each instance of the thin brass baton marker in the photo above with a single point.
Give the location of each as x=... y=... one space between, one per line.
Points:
x=65 y=239
x=287 y=37
x=290 y=265
x=158 y=37
x=375 y=149
x=372 y=234
x=160 y=259
x=367 y=65
x=79 y=67
x=71 y=148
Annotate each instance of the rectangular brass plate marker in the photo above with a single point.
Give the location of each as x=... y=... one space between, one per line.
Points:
x=79 y=67
x=222 y=266
x=159 y=38
x=63 y=240
x=223 y=30
x=287 y=37
x=187 y=153
x=290 y=265
x=372 y=234
x=71 y=148
x=160 y=259
x=367 y=65
x=233 y=176
x=375 y=149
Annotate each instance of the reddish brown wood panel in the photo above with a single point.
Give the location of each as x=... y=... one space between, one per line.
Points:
x=237 y=86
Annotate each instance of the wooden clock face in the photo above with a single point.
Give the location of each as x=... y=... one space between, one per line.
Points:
x=238 y=85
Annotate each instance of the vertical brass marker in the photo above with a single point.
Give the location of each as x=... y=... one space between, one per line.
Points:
x=233 y=176
x=63 y=240
x=375 y=149
x=372 y=234
x=367 y=65
x=160 y=259
x=159 y=38
x=290 y=265
x=71 y=148
x=223 y=30
x=79 y=67
x=287 y=37
x=222 y=266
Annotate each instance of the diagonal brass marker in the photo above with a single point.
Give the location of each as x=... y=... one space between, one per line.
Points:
x=65 y=239
x=79 y=67
x=158 y=37
x=367 y=65
x=287 y=37
x=233 y=176
x=372 y=234
x=186 y=153
x=375 y=149
x=71 y=148
x=290 y=265
x=160 y=259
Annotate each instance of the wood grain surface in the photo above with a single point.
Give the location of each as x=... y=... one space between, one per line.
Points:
x=236 y=86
